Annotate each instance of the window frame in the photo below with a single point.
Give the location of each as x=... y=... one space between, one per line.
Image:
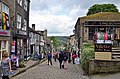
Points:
x=5 y=8
x=91 y=33
x=19 y=2
x=25 y=5
x=24 y=25
x=19 y=21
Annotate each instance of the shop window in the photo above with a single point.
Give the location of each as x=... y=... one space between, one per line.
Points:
x=5 y=9
x=25 y=5
x=18 y=21
x=3 y=47
x=91 y=33
x=108 y=30
x=19 y=2
x=5 y=17
x=21 y=42
x=96 y=29
x=25 y=25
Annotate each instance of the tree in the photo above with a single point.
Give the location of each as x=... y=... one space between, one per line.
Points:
x=55 y=40
x=102 y=8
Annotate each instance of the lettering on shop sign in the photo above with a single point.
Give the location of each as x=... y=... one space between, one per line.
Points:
x=4 y=32
x=102 y=23
x=103 y=47
x=13 y=46
x=21 y=32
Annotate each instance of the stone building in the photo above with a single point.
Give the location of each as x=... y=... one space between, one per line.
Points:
x=34 y=40
x=103 y=31
x=105 y=22
x=20 y=27
x=6 y=25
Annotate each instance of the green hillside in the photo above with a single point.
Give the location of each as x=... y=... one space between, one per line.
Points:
x=59 y=40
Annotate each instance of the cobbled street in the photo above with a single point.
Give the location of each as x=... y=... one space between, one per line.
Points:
x=44 y=71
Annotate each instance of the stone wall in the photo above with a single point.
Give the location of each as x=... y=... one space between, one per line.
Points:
x=103 y=66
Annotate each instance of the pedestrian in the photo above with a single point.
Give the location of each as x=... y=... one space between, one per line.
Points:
x=60 y=58
x=73 y=57
x=65 y=60
x=35 y=57
x=49 y=56
x=69 y=57
x=55 y=56
x=6 y=66
x=39 y=57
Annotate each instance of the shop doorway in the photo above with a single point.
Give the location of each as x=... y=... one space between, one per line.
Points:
x=31 y=47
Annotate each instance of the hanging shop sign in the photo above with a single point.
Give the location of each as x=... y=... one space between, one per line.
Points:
x=13 y=47
x=5 y=21
x=103 y=55
x=103 y=47
x=21 y=32
x=104 y=41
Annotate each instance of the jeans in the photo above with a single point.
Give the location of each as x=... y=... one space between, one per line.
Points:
x=5 y=77
x=49 y=61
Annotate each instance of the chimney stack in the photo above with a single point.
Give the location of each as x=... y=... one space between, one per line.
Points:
x=33 y=26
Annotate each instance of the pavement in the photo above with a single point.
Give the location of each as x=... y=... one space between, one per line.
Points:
x=30 y=63
x=106 y=76
x=45 y=71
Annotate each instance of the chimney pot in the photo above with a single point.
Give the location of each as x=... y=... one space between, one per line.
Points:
x=33 y=26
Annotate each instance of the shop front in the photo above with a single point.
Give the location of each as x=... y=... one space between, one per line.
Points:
x=4 y=42
x=20 y=39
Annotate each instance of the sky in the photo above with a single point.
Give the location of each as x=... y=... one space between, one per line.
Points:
x=59 y=16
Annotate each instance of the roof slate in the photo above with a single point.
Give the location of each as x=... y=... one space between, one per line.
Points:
x=102 y=16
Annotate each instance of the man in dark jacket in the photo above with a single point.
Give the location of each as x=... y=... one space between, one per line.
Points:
x=61 y=58
x=40 y=57
x=49 y=56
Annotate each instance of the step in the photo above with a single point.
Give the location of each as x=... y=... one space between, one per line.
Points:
x=115 y=50
x=115 y=53
x=116 y=56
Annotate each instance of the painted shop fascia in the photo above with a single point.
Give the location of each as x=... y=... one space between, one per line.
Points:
x=4 y=29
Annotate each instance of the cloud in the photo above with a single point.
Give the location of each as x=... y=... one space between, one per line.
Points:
x=60 y=25
x=59 y=17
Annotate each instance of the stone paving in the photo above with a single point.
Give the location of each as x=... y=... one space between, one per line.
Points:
x=106 y=76
x=44 y=71
x=29 y=64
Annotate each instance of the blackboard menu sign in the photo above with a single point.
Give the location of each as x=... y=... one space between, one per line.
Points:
x=103 y=47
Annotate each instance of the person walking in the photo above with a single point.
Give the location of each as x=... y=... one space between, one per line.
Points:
x=49 y=56
x=60 y=58
x=6 y=66
x=73 y=57
x=69 y=57
x=55 y=56
x=65 y=59
x=39 y=57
